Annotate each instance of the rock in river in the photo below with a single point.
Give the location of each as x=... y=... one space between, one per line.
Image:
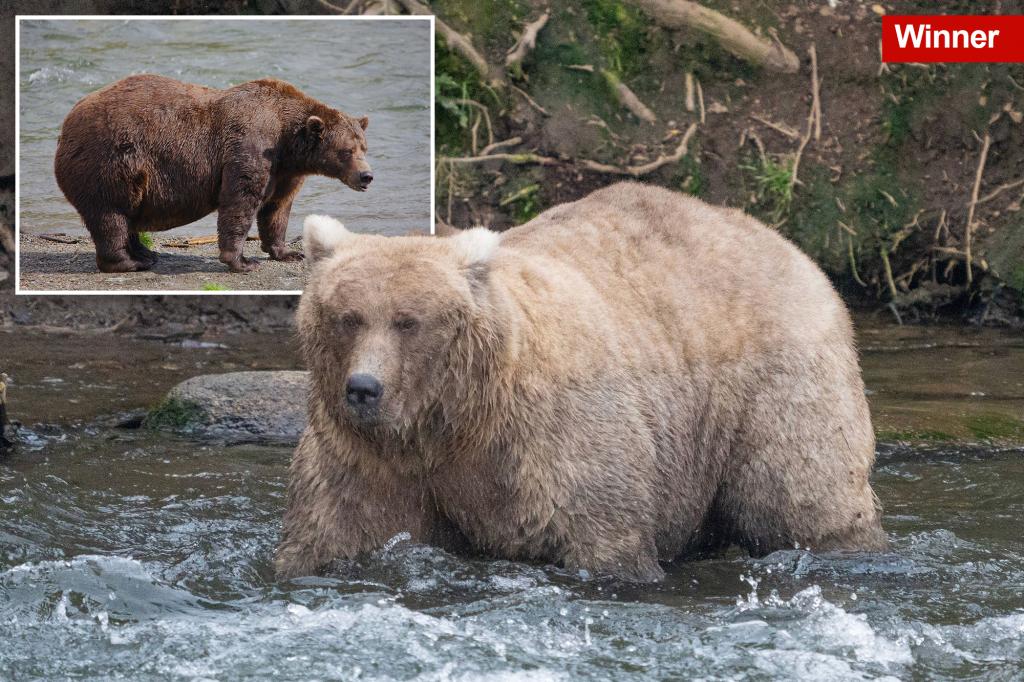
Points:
x=238 y=407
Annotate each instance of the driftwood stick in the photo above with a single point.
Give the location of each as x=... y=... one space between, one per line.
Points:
x=730 y=34
x=690 y=90
x=969 y=228
x=526 y=43
x=628 y=98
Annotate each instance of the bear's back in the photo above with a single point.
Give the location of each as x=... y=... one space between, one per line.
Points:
x=670 y=256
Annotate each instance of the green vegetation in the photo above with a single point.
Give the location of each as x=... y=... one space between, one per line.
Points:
x=213 y=286
x=173 y=413
x=524 y=202
x=147 y=240
x=996 y=427
x=773 y=183
x=913 y=436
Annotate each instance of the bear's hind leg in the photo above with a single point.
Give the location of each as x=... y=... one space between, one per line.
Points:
x=799 y=475
x=139 y=252
x=111 y=235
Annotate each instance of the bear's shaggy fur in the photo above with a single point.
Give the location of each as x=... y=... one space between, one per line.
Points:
x=631 y=378
x=150 y=153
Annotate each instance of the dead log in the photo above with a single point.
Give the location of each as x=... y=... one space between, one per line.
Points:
x=729 y=33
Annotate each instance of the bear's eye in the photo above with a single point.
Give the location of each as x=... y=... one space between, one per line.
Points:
x=345 y=154
x=405 y=323
x=351 y=321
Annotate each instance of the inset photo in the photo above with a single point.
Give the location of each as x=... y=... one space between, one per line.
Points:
x=181 y=155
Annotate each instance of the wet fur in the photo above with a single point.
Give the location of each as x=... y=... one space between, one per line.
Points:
x=632 y=378
x=150 y=153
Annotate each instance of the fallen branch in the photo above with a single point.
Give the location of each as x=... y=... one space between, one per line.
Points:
x=690 y=102
x=647 y=168
x=526 y=43
x=523 y=159
x=458 y=43
x=969 y=229
x=628 y=98
x=730 y=34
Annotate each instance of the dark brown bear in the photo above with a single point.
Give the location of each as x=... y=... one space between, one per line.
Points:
x=150 y=153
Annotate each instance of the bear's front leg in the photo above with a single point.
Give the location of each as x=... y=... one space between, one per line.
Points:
x=241 y=193
x=272 y=221
x=342 y=503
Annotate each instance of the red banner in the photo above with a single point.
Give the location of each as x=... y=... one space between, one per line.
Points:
x=953 y=38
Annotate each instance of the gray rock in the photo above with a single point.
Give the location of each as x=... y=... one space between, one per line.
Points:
x=238 y=407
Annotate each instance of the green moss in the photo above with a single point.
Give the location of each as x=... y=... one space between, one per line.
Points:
x=913 y=436
x=995 y=427
x=213 y=286
x=147 y=240
x=173 y=413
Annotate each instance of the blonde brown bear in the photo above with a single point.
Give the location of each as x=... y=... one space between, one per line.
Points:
x=632 y=378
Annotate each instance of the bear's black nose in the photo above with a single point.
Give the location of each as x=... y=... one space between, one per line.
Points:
x=363 y=390
x=365 y=178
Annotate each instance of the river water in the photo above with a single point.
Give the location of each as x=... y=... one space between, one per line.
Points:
x=129 y=554
x=377 y=68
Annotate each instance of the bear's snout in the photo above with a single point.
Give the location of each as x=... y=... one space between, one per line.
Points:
x=363 y=391
x=365 y=178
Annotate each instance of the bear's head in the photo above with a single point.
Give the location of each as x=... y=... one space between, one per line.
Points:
x=335 y=145
x=384 y=319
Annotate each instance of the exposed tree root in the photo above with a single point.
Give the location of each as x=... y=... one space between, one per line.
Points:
x=526 y=43
x=647 y=168
x=969 y=228
x=730 y=34
x=628 y=98
x=528 y=158
x=811 y=118
x=459 y=43
x=523 y=159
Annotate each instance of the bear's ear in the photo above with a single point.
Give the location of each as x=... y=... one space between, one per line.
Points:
x=364 y=121
x=476 y=245
x=474 y=248
x=322 y=235
x=315 y=126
